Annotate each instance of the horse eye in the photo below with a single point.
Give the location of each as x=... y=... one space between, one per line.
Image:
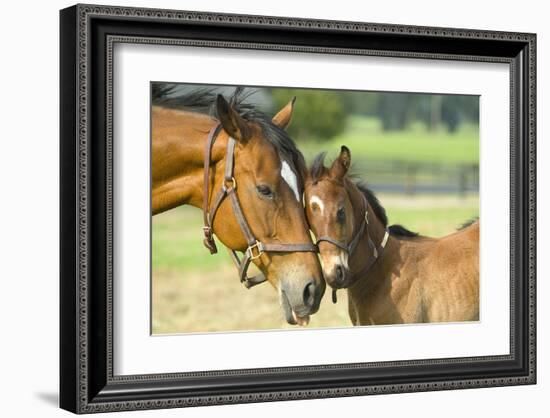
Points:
x=341 y=215
x=264 y=190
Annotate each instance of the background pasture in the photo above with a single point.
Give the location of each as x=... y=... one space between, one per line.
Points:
x=423 y=168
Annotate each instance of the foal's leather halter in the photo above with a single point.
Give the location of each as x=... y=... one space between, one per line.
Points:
x=229 y=187
x=350 y=248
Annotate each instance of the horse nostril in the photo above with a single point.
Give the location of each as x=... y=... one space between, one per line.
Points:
x=340 y=273
x=309 y=294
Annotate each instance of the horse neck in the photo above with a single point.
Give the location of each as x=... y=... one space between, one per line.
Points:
x=364 y=275
x=178 y=158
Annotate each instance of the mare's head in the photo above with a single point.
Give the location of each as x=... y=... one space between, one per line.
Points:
x=269 y=175
x=335 y=208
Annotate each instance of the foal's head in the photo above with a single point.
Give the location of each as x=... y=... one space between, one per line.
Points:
x=269 y=172
x=335 y=208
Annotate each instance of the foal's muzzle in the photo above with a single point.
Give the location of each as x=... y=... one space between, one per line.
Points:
x=339 y=277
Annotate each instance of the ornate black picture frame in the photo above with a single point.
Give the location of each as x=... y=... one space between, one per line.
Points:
x=87 y=36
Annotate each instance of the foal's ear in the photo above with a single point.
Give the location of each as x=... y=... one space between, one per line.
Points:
x=231 y=121
x=340 y=166
x=282 y=119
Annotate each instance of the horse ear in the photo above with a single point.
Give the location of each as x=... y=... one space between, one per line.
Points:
x=231 y=121
x=282 y=119
x=340 y=166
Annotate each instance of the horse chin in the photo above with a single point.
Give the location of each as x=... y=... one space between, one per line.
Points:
x=291 y=317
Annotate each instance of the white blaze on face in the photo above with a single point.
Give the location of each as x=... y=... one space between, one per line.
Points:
x=290 y=177
x=317 y=200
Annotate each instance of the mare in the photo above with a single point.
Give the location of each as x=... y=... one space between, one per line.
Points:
x=256 y=171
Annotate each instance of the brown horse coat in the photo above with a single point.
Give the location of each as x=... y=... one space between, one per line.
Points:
x=415 y=279
x=420 y=280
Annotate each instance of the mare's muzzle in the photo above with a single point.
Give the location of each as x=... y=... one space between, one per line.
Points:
x=300 y=299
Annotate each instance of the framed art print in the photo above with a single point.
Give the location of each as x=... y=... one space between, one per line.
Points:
x=261 y=208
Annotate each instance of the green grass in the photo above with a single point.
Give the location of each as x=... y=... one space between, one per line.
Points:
x=367 y=141
x=434 y=222
x=177 y=242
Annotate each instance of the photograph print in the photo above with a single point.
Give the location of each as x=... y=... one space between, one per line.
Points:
x=282 y=208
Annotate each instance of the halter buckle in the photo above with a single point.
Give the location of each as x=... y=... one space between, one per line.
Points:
x=259 y=248
x=208 y=240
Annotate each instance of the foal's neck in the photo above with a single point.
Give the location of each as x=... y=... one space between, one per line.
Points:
x=363 y=270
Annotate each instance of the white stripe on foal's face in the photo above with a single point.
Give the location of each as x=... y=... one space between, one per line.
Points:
x=317 y=200
x=290 y=178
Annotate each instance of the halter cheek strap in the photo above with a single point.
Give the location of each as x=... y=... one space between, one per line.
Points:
x=208 y=240
x=229 y=189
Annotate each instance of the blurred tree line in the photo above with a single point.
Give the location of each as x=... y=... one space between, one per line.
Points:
x=322 y=113
x=319 y=113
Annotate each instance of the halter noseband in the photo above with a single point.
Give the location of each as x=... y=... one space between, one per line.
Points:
x=255 y=247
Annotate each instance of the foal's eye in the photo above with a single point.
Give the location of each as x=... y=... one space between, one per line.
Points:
x=341 y=215
x=264 y=191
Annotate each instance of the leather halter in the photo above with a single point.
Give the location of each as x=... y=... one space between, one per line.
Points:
x=350 y=248
x=229 y=187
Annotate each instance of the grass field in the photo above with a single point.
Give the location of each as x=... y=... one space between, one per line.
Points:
x=367 y=141
x=194 y=291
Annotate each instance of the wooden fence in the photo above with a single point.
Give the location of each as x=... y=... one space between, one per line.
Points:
x=412 y=178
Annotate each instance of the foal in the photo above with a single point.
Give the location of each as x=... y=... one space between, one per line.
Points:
x=392 y=275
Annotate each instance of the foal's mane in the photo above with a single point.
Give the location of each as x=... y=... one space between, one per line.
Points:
x=203 y=100
x=318 y=169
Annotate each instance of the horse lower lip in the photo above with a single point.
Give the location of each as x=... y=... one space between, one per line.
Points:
x=287 y=309
x=291 y=316
x=303 y=321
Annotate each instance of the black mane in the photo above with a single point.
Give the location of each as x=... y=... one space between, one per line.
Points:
x=395 y=230
x=203 y=100
x=400 y=231
x=374 y=203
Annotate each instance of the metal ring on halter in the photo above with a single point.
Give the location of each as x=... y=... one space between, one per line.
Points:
x=233 y=186
x=250 y=250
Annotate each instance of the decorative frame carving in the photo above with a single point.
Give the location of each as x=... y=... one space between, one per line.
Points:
x=86 y=304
